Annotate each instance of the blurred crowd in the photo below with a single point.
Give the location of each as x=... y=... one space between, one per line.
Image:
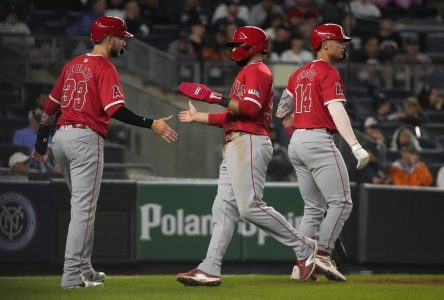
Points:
x=396 y=126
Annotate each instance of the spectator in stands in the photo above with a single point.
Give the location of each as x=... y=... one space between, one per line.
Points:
x=440 y=178
x=40 y=98
x=230 y=18
x=376 y=71
x=158 y=12
x=181 y=48
x=135 y=23
x=372 y=131
x=231 y=7
x=217 y=49
x=373 y=172
x=405 y=4
x=364 y=9
x=279 y=168
x=192 y=13
x=19 y=164
x=305 y=29
x=409 y=170
x=390 y=42
x=116 y=8
x=282 y=40
x=296 y=54
x=412 y=113
x=382 y=108
x=13 y=26
x=261 y=13
x=403 y=135
x=28 y=135
x=420 y=65
x=197 y=38
x=430 y=99
x=276 y=21
x=411 y=53
x=302 y=10
x=82 y=26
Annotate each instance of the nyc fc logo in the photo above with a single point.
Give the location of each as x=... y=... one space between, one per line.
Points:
x=17 y=222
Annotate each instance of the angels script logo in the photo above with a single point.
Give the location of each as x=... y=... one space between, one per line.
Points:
x=17 y=221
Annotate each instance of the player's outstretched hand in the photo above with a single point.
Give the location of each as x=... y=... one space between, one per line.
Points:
x=161 y=127
x=38 y=157
x=361 y=156
x=189 y=116
x=200 y=92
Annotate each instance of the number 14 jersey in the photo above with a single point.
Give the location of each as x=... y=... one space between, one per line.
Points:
x=88 y=91
x=313 y=87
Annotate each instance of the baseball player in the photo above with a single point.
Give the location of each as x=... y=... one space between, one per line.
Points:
x=246 y=155
x=88 y=93
x=312 y=109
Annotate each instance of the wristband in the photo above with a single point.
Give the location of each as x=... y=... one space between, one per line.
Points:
x=41 y=143
x=224 y=101
x=148 y=122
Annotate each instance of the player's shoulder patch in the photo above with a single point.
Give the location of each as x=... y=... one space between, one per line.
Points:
x=116 y=91
x=339 y=89
x=254 y=92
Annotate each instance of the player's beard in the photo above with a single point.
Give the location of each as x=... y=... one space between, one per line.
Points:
x=115 y=52
x=242 y=63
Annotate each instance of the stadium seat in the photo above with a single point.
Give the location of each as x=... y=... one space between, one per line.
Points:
x=10 y=124
x=434 y=42
x=434 y=116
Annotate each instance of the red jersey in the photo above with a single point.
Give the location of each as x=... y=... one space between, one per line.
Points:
x=313 y=87
x=88 y=91
x=253 y=83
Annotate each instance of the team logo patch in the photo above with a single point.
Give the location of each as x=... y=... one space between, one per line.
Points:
x=17 y=221
x=116 y=92
x=339 y=90
x=254 y=92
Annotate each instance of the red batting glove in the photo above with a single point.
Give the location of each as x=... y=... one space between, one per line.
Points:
x=201 y=92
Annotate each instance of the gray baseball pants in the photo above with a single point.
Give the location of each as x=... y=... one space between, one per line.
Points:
x=323 y=182
x=79 y=152
x=239 y=195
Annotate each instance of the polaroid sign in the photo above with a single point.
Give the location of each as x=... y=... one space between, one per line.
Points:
x=174 y=222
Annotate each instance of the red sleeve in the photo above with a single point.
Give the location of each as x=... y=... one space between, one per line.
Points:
x=257 y=87
x=248 y=108
x=332 y=87
x=111 y=93
x=217 y=119
x=52 y=103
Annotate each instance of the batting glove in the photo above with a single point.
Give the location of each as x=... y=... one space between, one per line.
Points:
x=361 y=155
x=200 y=92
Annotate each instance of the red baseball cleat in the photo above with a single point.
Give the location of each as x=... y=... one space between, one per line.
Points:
x=307 y=266
x=197 y=277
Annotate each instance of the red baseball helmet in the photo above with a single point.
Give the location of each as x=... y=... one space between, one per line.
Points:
x=327 y=31
x=108 y=25
x=247 y=41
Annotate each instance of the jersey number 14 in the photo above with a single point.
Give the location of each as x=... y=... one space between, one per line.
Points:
x=302 y=98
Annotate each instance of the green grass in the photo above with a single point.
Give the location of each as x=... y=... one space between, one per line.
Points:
x=256 y=287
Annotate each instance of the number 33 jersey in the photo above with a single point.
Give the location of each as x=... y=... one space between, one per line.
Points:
x=313 y=87
x=88 y=91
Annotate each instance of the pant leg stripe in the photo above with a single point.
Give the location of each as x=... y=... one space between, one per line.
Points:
x=257 y=202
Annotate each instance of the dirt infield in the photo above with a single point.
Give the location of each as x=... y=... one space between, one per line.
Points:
x=425 y=281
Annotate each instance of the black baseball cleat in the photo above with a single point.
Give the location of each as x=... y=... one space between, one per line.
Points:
x=197 y=277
